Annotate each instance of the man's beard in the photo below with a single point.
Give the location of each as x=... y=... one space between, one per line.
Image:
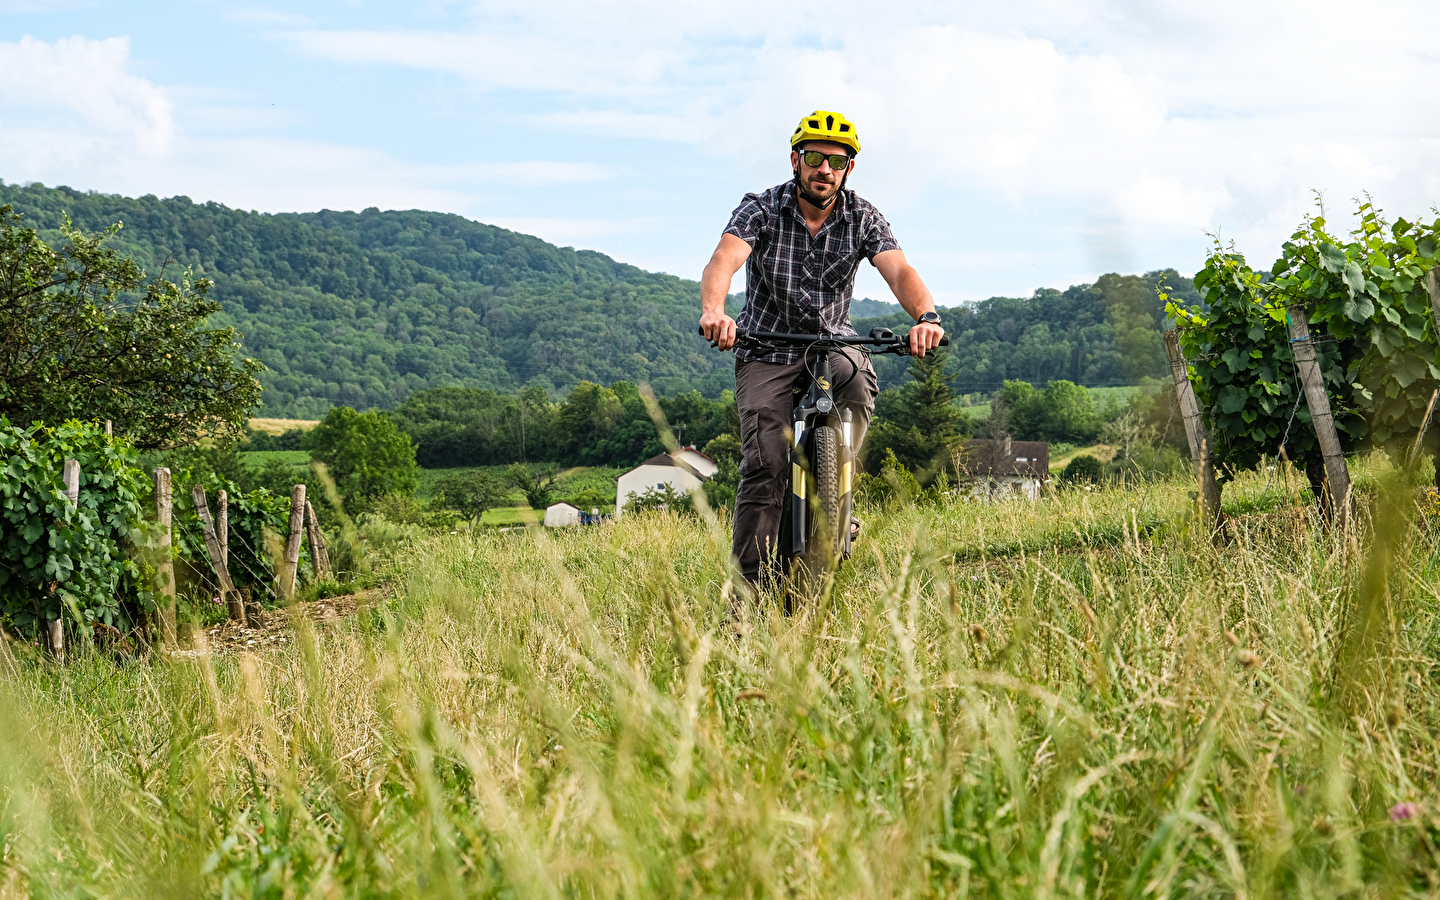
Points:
x=813 y=199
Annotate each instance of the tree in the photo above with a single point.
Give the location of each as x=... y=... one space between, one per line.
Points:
x=919 y=421
x=366 y=454
x=471 y=492
x=1083 y=469
x=536 y=486
x=1061 y=412
x=83 y=335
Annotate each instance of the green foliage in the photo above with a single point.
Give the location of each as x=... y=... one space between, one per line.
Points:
x=1091 y=334
x=919 y=423
x=591 y=498
x=722 y=487
x=1063 y=411
x=659 y=498
x=1083 y=469
x=291 y=439
x=724 y=447
x=366 y=454
x=1368 y=293
x=83 y=335
x=470 y=492
x=367 y=309
x=457 y=426
x=592 y=426
x=258 y=520
x=56 y=558
x=364 y=309
x=1242 y=365
x=538 y=487
x=892 y=486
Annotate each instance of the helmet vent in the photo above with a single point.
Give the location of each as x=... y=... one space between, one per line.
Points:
x=814 y=123
x=844 y=128
x=829 y=122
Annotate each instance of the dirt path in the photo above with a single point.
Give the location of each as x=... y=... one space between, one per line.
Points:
x=275 y=627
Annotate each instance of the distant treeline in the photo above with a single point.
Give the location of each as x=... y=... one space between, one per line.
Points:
x=1106 y=333
x=367 y=309
x=592 y=426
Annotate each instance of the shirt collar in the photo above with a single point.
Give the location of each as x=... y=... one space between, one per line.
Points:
x=790 y=197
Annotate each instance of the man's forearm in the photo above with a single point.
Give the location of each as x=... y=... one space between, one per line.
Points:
x=912 y=293
x=714 y=288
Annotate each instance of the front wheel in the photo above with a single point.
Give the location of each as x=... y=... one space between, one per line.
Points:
x=822 y=549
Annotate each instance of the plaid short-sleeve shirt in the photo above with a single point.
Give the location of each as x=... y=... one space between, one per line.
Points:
x=797 y=283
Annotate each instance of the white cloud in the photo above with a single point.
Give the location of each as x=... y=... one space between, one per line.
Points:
x=1150 y=121
x=1092 y=134
x=85 y=79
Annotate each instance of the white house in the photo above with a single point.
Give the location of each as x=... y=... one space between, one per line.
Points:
x=561 y=514
x=684 y=471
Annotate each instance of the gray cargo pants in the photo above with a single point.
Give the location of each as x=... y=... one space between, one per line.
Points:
x=764 y=393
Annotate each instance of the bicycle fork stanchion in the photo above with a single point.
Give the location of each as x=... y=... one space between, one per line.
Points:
x=847 y=457
x=798 y=466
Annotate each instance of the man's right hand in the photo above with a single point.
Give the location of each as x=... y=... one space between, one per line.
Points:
x=719 y=329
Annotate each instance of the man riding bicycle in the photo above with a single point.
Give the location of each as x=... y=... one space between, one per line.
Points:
x=801 y=243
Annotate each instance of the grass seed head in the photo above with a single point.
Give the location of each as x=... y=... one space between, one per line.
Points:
x=1249 y=659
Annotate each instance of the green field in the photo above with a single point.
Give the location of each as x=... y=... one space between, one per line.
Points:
x=1078 y=697
x=1103 y=399
x=257 y=458
x=571 y=481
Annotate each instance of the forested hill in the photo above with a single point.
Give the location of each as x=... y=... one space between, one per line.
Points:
x=363 y=309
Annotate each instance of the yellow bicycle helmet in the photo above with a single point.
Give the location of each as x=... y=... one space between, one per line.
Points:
x=826 y=125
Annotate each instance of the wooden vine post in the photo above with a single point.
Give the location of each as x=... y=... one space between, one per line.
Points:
x=292 y=546
x=1201 y=447
x=1432 y=287
x=212 y=548
x=55 y=628
x=222 y=526
x=1337 y=476
x=164 y=562
x=319 y=555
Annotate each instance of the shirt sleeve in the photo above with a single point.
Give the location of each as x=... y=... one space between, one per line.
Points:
x=748 y=220
x=876 y=236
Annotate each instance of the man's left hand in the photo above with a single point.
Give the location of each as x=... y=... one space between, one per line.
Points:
x=924 y=337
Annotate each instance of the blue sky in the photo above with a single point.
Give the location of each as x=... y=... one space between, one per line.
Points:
x=1011 y=145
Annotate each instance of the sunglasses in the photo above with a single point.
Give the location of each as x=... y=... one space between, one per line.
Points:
x=838 y=161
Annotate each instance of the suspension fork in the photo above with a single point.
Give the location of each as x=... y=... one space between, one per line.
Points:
x=819 y=404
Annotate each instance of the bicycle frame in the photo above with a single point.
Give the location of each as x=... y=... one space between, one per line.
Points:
x=819 y=408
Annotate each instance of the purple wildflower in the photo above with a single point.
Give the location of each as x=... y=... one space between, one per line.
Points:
x=1402 y=811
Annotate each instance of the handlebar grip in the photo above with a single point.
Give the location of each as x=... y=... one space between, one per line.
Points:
x=945 y=340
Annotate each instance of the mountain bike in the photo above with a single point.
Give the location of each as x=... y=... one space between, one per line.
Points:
x=815 y=524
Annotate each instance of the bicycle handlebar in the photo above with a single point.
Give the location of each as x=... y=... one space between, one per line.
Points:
x=894 y=343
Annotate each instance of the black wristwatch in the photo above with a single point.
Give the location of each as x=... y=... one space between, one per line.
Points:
x=929 y=318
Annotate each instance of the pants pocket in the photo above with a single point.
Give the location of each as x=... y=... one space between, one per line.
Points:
x=751 y=459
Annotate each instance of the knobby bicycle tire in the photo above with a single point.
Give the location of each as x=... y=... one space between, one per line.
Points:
x=822 y=550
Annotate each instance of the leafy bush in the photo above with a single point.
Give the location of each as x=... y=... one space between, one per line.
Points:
x=55 y=557
x=1083 y=469
x=102 y=343
x=470 y=492
x=661 y=497
x=366 y=454
x=892 y=486
x=1063 y=411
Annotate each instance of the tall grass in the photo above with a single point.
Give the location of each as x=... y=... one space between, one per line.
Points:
x=1083 y=696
